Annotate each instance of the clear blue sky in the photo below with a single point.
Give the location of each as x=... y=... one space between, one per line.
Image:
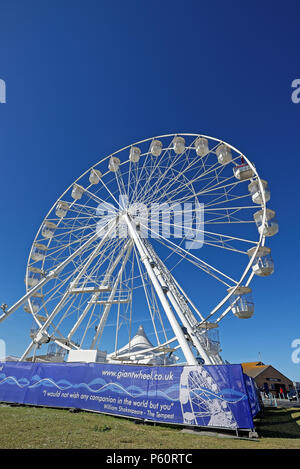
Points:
x=85 y=78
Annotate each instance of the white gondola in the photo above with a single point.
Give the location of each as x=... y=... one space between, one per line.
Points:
x=243 y=172
x=48 y=229
x=156 y=147
x=33 y=331
x=178 y=145
x=34 y=276
x=241 y=302
x=114 y=164
x=134 y=154
x=56 y=353
x=256 y=194
x=263 y=264
x=35 y=305
x=211 y=341
x=270 y=227
x=95 y=176
x=223 y=153
x=61 y=209
x=38 y=252
x=77 y=192
x=201 y=146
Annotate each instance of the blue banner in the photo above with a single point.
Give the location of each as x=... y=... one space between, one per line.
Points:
x=217 y=396
x=252 y=394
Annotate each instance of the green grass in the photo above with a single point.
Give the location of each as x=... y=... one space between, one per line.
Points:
x=32 y=427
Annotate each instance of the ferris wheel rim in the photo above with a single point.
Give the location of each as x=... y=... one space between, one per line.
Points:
x=256 y=176
x=220 y=141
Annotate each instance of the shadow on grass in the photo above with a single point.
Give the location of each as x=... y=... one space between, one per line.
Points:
x=278 y=423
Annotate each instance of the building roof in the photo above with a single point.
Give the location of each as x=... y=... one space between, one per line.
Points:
x=138 y=343
x=11 y=358
x=254 y=369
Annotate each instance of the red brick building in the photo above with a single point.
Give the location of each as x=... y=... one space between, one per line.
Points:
x=267 y=378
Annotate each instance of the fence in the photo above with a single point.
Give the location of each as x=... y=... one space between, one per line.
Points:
x=218 y=396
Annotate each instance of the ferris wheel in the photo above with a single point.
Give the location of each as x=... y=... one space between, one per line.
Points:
x=201 y=400
x=167 y=234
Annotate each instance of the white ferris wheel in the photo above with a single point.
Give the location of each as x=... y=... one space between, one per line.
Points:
x=162 y=237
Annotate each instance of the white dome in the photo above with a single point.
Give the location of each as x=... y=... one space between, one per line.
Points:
x=139 y=342
x=133 y=351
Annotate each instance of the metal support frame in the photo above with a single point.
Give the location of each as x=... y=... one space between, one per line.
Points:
x=60 y=304
x=96 y=295
x=189 y=356
x=53 y=273
x=185 y=314
x=108 y=306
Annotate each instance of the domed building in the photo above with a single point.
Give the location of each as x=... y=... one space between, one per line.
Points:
x=140 y=351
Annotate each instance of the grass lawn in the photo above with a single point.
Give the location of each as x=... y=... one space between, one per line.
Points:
x=32 y=427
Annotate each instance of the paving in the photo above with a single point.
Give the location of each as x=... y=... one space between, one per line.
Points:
x=281 y=403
